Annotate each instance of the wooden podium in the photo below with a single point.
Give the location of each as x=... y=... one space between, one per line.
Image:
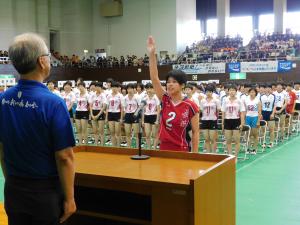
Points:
x=170 y=188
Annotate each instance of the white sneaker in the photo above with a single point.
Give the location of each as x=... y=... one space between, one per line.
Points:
x=270 y=145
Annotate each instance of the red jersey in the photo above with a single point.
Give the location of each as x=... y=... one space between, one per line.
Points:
x=174 y=124
x=291 y=101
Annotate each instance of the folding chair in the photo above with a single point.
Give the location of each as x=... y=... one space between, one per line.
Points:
x=296 y=123
x=245 y=141
x=287 y=126
x=262 y=134
x=276 y=129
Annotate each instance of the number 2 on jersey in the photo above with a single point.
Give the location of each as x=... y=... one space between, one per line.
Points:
x=172 y=116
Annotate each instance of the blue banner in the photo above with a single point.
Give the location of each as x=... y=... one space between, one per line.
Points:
x=285 y=66
x=234 y=67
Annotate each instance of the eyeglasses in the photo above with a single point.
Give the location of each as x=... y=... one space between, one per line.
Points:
x=48 y=54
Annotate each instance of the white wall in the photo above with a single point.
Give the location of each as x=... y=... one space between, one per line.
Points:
x=76 y=27
x=128 y=34
x=80 y=25
x=6 y=23
x=19 y=16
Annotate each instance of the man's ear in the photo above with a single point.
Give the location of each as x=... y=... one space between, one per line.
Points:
x=41 y=62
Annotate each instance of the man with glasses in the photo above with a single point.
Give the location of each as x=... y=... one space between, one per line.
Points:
x=36 y=140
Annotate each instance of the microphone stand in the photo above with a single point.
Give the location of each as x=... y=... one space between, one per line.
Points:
x=140 y=156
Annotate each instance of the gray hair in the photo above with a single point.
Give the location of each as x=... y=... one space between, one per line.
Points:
x=25 y=50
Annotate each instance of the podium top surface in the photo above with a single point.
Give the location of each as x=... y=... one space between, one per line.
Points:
x=162 y=167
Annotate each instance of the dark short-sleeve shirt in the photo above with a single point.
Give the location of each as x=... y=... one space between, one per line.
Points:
x=34 y=124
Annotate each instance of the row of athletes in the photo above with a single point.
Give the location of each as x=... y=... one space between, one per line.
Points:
x=179 y=115
x=236 y=104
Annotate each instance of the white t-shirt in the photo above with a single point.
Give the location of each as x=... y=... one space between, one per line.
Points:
x=239 y=94
x=56 y=92
x=267 y=102
x=142 y=95
x=222 y=93
x=280 y=98
x=252 y=106
x=107 y=92
x=69 y=98
x=232 y=109
x=97 y=102
x=151 y=105
x=131 y=104
x=114 y=103
x=297 y=93
x=243 y=97
x=210 y=109
x=82 y=102
x=215 y=95
x=76 y=92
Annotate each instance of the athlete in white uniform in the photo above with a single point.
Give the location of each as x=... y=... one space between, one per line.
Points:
x=69 y=97
x=151 y=116
x=268 y=112
x=97 y=111
x=281 y=103
x=210 y=108
x=131 y=105
x=114 y=114
x=233 y=119
x=253 y=114
x=82 y=113
x=51 y=87
x=188 y=92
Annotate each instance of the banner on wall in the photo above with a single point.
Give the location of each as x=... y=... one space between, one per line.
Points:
x=61 y=83
x=201 y=68
x=129 y=82
x=234 y=67
x=259 y=67
x=7 y=80
x=285 y=66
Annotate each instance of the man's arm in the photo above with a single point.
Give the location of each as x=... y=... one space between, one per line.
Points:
x=65 y=166
x=2 y=160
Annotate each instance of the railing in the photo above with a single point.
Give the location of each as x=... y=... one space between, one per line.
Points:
x=4 y=60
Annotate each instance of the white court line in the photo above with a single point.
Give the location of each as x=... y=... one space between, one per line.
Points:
x=267 y=154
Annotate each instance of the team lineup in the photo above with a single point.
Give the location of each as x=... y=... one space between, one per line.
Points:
x=172 y=113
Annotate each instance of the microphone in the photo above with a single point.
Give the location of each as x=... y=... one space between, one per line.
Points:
x=138 y=114
x=140 y=108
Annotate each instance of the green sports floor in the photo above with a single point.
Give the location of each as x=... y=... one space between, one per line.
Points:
x=268 y=187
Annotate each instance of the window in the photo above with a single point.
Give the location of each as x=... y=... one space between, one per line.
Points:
x=291 y=22
x=242 y=26
x=212 y=27
x=266 y=24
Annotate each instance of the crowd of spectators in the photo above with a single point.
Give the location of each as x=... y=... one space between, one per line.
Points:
x=262 y=47
x=4 y=57
x=105 y=62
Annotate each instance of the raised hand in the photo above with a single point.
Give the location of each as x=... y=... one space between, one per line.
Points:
x=151 y=45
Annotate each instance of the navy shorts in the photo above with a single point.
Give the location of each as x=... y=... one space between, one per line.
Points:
x=130 y=118
x=82 y=115
x=114 y=117
x=209 y=124
x=101 y=117
x=232 y=124
x=150 y=119
x=266 y=115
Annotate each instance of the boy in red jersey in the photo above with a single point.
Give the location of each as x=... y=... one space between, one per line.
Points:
x=178 y=114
